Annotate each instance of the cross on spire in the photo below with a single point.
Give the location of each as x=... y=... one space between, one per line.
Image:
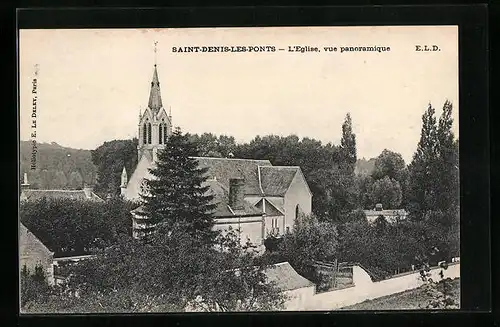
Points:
x=155 y=50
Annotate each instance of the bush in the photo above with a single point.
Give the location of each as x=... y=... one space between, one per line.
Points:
x=34 y=286
x=73 y=227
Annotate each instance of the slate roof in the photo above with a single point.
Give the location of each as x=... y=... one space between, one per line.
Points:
x=223 y=169
x=286 y=278
x=33 y=195
x=223 y=209
x=276 y=180
x=221 y=197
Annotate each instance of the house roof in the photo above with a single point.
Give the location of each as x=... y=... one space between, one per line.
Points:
x=221 y=198
x=276 y=180
x=386 y=213
x=223 y=169
x=33 y=195
x=285 y=277
x=27 y=240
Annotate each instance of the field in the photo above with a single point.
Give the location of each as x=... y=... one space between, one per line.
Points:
x=408 y=300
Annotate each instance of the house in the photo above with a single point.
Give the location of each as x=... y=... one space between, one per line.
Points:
x=254 y=195
x=391 y=216
x=33 y=253
x=27 y=194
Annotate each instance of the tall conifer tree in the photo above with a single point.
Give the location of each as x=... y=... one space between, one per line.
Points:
x=175 y=196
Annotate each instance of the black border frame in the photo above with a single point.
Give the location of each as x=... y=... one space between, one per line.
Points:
x=474 y=130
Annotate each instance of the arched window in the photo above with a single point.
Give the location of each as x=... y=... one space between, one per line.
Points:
x=160 y=134
x=144 y=133
x=165 y=133
x=149 y=133
x=297 y=211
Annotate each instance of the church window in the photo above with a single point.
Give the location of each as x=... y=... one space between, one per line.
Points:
x=165 y=132
x=149 y=133
x=144 y=133
x=297 y=211
x=160 y=134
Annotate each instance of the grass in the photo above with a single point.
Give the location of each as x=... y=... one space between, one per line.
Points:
x=408 y=300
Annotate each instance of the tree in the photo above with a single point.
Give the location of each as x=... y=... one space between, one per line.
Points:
x=348 y=146
x=390 y=164
x=434 y=180
x=386 y=191
x=176 y=194
x=110 y=158
x=422 y=170
x=74 y=227
x=310 y=240
x=174 y=270
x=448 y=186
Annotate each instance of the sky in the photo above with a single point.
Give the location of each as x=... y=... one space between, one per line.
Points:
x=92 y=84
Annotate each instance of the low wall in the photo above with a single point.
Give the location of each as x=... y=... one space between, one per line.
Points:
x=365 y=289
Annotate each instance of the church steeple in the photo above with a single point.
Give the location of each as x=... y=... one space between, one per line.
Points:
x=155 y=103
x=155 y=124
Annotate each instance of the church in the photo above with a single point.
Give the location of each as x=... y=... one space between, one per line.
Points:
x=253 y=196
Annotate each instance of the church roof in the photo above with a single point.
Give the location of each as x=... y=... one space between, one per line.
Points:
x=155 y=103
x=223 y=169
x=259 y=175
x=221 y=197
x=277 y=180
x=33 y=195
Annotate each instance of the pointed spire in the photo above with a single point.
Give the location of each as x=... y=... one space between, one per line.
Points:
x=124 y=179
x=155 y=95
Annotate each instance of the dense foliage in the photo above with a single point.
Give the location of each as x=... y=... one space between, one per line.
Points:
x=309 y=241
x=34 y=286
x=170 y=272
x=73 y=227
x=56 y=167
x=434 y=180
x=110 y=158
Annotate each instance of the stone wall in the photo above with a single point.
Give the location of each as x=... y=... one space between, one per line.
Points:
x=364 y=288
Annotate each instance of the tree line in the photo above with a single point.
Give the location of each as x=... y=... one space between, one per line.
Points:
x=56 y=167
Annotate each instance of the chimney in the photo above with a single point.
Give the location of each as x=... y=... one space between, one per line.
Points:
x=378 y=207
x=236 y=193
x=25 y=185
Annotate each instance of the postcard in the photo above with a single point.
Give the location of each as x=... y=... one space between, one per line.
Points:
x=239 y=169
